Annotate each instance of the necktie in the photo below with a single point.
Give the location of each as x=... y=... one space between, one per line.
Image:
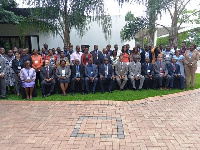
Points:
x=121 y=66
x=174 y=68
x=47 y=73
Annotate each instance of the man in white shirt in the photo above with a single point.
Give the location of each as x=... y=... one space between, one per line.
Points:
x=76 y=55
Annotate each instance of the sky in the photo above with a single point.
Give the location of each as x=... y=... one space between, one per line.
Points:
x=113 y=8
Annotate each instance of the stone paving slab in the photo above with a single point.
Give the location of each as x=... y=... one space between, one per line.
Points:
x=168 y=122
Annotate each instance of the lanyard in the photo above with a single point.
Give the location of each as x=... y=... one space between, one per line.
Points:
x=27 y=72
x=77 y=68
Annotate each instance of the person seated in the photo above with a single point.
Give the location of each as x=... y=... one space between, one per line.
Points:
x=175 y=73
x=121 y=71
x=78 y=72
x=106 y=74
x=160 y=70
x=47 y=77
x=148 y=73
x=91 y=73
x=135 y=72
x=63 y=73
x=2 y=77
x=28 y=76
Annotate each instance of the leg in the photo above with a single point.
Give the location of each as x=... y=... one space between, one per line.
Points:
x=52 y=86
x=160 y=80
x=141 y=81
x=31 y=92
x=82 y=84
x=187 y=75
x=102 y=84
x=73 y=80
x=27 y=93
x=119 y=82
x=182 y=82
x=111 y=84
x=95 y=84
x=3 y=87
x=43 y=86
x=193 y=70
x=146 y=81
x=66 y=86
x=133 y=81
x=155 y=81
x=168 y=79
x=62 y=88
x=172 y=82
x=17 y=85
x=124 y=82
x=87 y=80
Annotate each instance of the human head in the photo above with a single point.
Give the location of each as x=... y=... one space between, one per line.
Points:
x=77 y=48
x=159 y=58
x=116 y=47
x=192 y=47
x=15 y=50
x=104 y=51
x=43 y=50
x=35 y=51
x=114 y=53
x=77 y=62
x=46 y=62
x=173 y=60
x=23 y=52
x=45 y=46
x=124 y=48
x=135 y=58
x=138 y=45
x=86 y=50
x=95 y=47
x=65 y=48
x=62 y=63
x=27 y=63
x=183 y=45
x=2 y=50
x=161 y=46
x=121 y=58
x=175 y=46
x=90 y=61
x=83 y=48
x=135 y=50
x=70 y=49
x=58 y=50
x=50 y=52
x=10 y=53
x=53 y=51
x=127 y=46
x=108 y=47
x=146 y=47
x=168 y=48
x=62 y=54
x=17 y=55
x=177 y=53
x=105 y=61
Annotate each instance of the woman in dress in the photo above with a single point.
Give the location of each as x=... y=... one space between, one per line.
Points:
x=191 y=58
x=114 y=58
x=17 y=65
x=136 y=53
x=37 y=64
x=9 y=74
x=28 y=76
x=62 y=57
x=63 y=74
x=180 y=60
x=126 y=55
x=85 y=57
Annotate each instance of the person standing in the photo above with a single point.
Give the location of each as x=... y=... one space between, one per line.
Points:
x=76 y=55
x=105 y=55
x=183 y=48
x=135 y=73
x=116 y=48
x=191 y=58
x=2 y=78
x=146 y=54
x=121 y=71
x=47 y=77
x=108 y=50
x=28 y=76
x=126 y=55
x=78 y=72
x=106 y=74
x=180 y=61
x=167 y=55
x=97 y=56
x=85 y=57
x=25 y=56
x=17 y=65
x=91 y=73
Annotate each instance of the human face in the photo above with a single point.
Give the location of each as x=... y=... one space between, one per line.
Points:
x=83 y=48
x=62 y=55
x=46 y=63
x=161 y=46
x=90 y=61
x=63 y=64
x=77 y=49
x=50 y=52
x=35 y=52
x=159 y=58
x=28 y=64
x=114 y=53
x=77 y=62
x=58 y=50
x=17 y=55
x=124 y=48
x=10 y=53
x=24 y=52
x=192 y=47
x=168 y=48
x=177 y=53
x=106 y=61
x=173 y=60
x=121 y=59
x=104 y=51
x=116 y=47
x=108 y=47
x=95 y=47
x=182 y=45
x=86 y=50
x=146 y=48
x=147 y=60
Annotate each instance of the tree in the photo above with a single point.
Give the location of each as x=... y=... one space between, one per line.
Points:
x=63 y=15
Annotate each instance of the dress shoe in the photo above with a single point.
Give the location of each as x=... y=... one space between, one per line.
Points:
x=93 y=92
x=83 y=93
x=43 y=95
x=87 y=92
x=102 y=92
x=3 y=97
x=110 y=91
x=134 y=89
x=139 y=89
x=72 y=93
x=48 y=94
x=161 y=88
x=121 y=89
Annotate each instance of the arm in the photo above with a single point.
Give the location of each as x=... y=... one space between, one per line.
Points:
x=41 y=62
x=185 y=59
x=58 y=73
x=196 y=58
x=42 y=74
x=34 y=75
x=96 y=72
x=13 y=67
x=116 y=69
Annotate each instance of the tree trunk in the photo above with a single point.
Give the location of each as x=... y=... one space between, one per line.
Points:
x=151 y=37
x=67 y=28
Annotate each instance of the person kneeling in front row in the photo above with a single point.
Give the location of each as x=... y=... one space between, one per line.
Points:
x=47 y=77
x=175 y=73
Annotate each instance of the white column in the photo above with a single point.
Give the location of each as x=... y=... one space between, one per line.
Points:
x=155 y=37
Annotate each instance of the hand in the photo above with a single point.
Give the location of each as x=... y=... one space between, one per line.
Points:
x=178 y=75
x=90 y=79
x=164 y=75
x=113 y=77
x=64 y=78
x=18 y=74
x=101 y=77
x=77 y=79
x=2 y=75
x=28 y=81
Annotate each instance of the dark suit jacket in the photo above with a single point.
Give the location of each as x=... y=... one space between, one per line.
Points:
x=100 y=57
x=81 y=69
x=43 y=73
x=171 y=69
x=108 y=57
x=87 y=70
x=15 y=65
x=102 y=70
x=143 y=56
x=25 y=58
x=110 y=52
x=144 y=69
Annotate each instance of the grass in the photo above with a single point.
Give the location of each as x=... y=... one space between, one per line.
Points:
x=127 y=95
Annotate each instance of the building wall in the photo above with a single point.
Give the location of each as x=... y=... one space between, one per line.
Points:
x=91 y=37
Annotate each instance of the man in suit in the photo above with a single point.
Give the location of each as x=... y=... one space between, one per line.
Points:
x=2 y=77
x=135 y=72
x=108 y=50
x=47 y=77
x=78 y=72
x=105 y=55
x=91 y=73
x=146 y=53
x=121 y=70
x=175 y=73
x=147 y=72
x=97 y=56
x=138 y=45
x=106 y=74
x=160 y=70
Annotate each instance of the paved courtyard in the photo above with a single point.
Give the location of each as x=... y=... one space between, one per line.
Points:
x=168 y=122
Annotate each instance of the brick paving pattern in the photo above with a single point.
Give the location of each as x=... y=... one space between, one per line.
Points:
x=168 y=122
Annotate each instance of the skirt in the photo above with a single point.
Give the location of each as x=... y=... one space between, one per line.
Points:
x=67 y=80
x=28 y=85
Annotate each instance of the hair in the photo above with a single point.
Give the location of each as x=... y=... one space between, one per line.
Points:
x=27 y=61
x=123 y=49
x=135 y=49
x=184 y=42
x=194 y=45
x=62 y=61
x=17 y=52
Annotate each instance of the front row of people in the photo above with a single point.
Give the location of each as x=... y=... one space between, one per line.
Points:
x=156 y=72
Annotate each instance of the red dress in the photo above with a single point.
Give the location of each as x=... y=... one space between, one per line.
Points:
x=86 y=58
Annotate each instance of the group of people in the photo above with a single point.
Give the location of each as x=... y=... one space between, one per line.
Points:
x=50 y=67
